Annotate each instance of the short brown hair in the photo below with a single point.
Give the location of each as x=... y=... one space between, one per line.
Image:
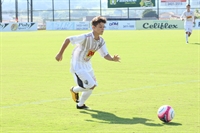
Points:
x=187 y=5
x=97 y=20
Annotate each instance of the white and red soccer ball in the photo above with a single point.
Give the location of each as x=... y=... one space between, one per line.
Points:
x=165 y=113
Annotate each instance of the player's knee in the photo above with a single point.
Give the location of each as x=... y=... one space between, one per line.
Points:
x=92 y=87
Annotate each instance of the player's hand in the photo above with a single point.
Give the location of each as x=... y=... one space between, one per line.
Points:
x=116 y=58
x=58 y=57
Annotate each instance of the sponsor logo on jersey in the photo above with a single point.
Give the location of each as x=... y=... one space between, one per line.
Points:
x=89 y=55
x=189 y=17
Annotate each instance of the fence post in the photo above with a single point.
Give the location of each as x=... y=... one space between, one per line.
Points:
x=28 y=10
x=128 y=12
x=1 y=11
x=16 y=10
x=53 y=9
x=158 y=9
x=31 y=10
x=69 y=12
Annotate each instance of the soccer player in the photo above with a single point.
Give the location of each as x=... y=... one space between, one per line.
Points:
x=188 y=16
x=85 y=47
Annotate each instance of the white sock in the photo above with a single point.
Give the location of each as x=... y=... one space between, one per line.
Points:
x=85 y=95
x=77 y=89
x=186 y=36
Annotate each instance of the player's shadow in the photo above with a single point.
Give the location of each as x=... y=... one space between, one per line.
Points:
x=195 y=43
x=106 y=117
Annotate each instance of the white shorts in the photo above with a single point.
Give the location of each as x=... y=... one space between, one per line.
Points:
x=188 y=28
x=85 y=79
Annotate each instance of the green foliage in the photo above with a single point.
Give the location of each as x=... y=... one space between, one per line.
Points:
x=197 y=14
x=149 y=13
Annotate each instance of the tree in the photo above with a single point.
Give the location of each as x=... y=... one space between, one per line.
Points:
x=197 y=14
x=149 y=13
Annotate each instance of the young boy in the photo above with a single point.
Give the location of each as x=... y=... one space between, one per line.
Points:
x=189 y=21
x=86 y=45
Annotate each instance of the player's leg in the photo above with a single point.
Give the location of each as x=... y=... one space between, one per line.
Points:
x=75 y=90
x=89 y=84
x=75 y=95
x=186 y=33
x=189 y=34
x=79 y=88
x=84 y=96
x=186 y=37
x=86 y=83
x=189 y=30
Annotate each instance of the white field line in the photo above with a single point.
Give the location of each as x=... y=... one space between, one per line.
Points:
x=103 y=93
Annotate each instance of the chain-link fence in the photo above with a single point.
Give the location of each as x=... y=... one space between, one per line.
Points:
x=41 y=11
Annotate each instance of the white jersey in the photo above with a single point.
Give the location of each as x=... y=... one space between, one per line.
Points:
x=188 y=16
x=86 y=46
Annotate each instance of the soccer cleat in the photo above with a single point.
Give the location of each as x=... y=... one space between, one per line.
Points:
x=75 y=96
x=82 y=107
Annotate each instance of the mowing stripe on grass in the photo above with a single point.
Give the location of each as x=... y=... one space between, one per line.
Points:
x=104 y=93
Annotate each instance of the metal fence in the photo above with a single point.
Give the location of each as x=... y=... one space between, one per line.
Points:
x=41 y=11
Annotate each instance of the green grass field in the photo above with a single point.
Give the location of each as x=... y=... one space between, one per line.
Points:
x=157 y=68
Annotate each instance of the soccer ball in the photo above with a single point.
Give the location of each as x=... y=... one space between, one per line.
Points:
x=165 y=113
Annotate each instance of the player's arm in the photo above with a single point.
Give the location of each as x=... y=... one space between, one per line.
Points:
x=104 y=53
x=71 y=39
x=193 y=18
x=182 y=16
x=115 y=58
x=64 y=46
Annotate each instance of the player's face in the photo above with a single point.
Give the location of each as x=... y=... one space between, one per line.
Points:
x=99 y=29
x=188 y=8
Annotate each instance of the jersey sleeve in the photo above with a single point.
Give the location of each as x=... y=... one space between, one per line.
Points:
x=193 y=17
x=182 y=15
x=77 y=39
x=103 y=50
